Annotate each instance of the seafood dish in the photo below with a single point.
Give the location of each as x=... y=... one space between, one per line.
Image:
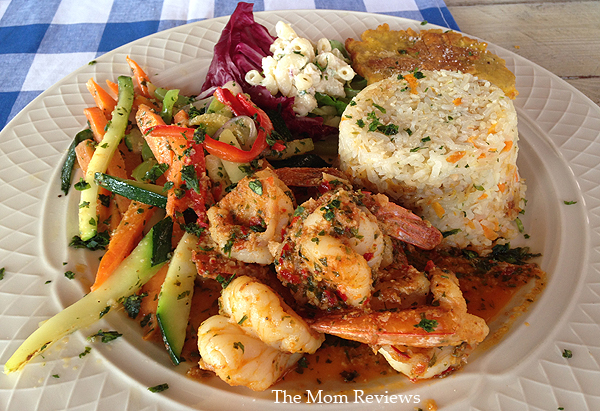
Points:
x=291 y=216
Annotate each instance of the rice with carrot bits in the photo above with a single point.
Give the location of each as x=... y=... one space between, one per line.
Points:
x=443 y=144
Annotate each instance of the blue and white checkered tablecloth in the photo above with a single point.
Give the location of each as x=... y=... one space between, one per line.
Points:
x=42 y=41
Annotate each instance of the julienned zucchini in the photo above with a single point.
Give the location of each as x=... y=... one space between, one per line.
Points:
x=175 y=298
x=67 y=169
x=88 y=219
x=134 y=190
x=129 y=276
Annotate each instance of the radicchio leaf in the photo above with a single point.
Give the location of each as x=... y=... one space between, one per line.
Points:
x=241 y=47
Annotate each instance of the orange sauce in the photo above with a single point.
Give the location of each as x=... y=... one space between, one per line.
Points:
x=340 y=361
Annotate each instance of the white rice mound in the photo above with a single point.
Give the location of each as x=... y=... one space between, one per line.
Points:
x=452 y=160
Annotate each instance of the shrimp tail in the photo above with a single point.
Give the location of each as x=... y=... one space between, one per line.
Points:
x=403 y=224
x=423 y=327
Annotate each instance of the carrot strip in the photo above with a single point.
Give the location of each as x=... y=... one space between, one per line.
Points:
x=139 y=100
x=123 y=240
x=507 y=146
x=146 y=119
x=116 y=167
x=412 y=83
x=141 y=78
x=84 y=152
x=453 y=158
x=181 y=118
x=103 y=100
x=112 y=86
x=150 y=302
x=489 y=233
x=97 y=120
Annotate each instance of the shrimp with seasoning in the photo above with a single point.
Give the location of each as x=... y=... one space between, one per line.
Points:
x=336 y=243
x=250 y=216
x=409 y=339
x=239 y=358
x=270 y=335
x=262 y=312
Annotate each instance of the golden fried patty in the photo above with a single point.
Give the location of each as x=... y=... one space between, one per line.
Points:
x=382 y=53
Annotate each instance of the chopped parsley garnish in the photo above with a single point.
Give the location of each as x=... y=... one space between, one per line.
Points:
x=298 y=212
x=133 y=303
x=189 y=176
x=85 y=352
x=97 y=242
x=503 y=252
x=193 y=228
x=224 y=281
x=104 y=312
x=105 y=336
x=349 y=375
x=146 y=320
x=567 y=354
x=2 y=270
x=519 y=224
x=238 y=346
x=450 y=232
x=82 y=185
x=104 y=200
x=70 y=275
x=159 y=388
x=229 y=245
x=388 y=130
x=427 y=325
x=183 y=294
x=570 y=202
x=377 y=106
x=155 y=172
x=256 y=187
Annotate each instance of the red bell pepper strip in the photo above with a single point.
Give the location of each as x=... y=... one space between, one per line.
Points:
x=240 y=105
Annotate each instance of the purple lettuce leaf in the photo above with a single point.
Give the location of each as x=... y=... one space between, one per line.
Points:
x=241 y=47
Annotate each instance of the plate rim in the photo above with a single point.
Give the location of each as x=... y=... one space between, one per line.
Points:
x=577 y=95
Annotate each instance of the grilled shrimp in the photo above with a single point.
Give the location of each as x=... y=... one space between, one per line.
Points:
x=250 y=216
x=330 y=251
x=263 y=314
x=239 y=358
x=423 y=363
x=444 y=322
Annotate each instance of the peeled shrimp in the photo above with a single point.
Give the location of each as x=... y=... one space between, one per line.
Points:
x=250 y=216
x=330 y=251
x=239 y=358
x=423 y=363
x=263 y=314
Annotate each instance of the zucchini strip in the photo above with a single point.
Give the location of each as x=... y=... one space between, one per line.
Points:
x=129 y=276
x=175 y=298
x=66 y=171
x=134 y=190
x=88 y=219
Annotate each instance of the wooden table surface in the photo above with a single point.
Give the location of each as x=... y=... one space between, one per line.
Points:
x=561 y=36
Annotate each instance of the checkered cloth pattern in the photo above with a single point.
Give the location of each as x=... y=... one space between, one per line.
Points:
x=42 y=41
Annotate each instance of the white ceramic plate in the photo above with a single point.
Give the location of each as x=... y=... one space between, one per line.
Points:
x=560 y=159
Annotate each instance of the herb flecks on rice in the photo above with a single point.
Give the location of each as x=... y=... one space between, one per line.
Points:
x=453 y=159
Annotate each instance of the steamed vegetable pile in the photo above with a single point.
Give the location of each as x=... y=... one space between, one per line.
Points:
x=153 y=160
